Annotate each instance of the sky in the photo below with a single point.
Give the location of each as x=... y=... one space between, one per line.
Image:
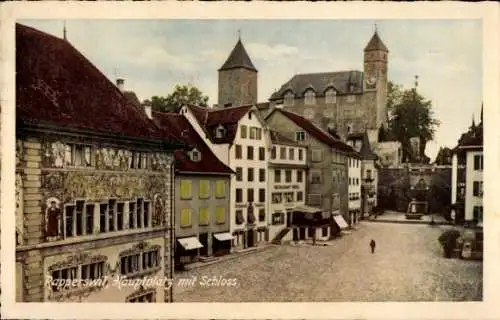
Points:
x=155 y=55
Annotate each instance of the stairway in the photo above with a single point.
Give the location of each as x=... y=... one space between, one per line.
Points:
x=281 y=235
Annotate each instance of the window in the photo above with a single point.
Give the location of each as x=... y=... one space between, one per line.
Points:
x=262 y=195
x=239 y=217
x=289 y=99
x=276 y=197
x=317 y=155
x=64 y=275
x=89 y=223
x=146 y=297
x=243 y=132
x=185 y=217
x=477 y=213
x=220 y=215
x=277 y=175
x=478 y=162
x=310 y=97
x=68 y=221
x=220 y=132
x=282 y=153
x=262 y=175
x=253 y=133
x=324 y=232
x=92 y=271
x=300 y=178
x=300 y=136
x=186 y=189
x=132 y=215
x=250 y=195
x=119 y=215
x=273 y=153
x=204 y=217
x=368 y=174
x=314 y=199
x=132 y=264
x=250 y=115
x=204 y=192
x=477 y=188
x=138 y=160
x=300 y=196
x=139 y=211
x=278 y=218
x=259 y=134
x=291 y=154
x=78 y=155
x=349 y=129
x=195 y=155
x=79 y=221
x=262 y=215
x=288 y=175
x=351 y=98
x=239 y=174
x=250 y=174
x=301 y=154
x=330 y=96
x=262 y=153
x=238 y=154
x=220 y=189
x=239 y=195
x=250 y=153
x=349 y=180
x=289 y=197
x=315 y=177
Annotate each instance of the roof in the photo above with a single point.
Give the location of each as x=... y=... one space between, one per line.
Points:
x=366 y=150
x=471 y=138
x=132 y=97
x=187 y=134
x=315 y=131
x=210 y=119
x=238 y=58
x=376 y=43
x=57 y=86
x=278 y=138
x=320 y=82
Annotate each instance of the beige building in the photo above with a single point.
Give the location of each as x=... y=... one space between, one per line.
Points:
x=93 y=182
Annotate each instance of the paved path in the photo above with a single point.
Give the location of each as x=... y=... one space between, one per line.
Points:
x=407 y=266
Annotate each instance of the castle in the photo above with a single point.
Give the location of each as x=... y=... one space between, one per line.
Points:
x=347 y=104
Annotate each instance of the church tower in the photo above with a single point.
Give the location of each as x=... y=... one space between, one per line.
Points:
x=237 y=79
x=375 y=78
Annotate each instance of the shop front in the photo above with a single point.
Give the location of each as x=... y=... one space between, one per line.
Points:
x=222 y=243
x=186 y=251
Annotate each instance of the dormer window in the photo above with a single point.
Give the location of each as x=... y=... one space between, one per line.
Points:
x=220 y=132
x=250 y=115
x=330 y=96
x=289 y=99
x=310 y=97
x=195 y=155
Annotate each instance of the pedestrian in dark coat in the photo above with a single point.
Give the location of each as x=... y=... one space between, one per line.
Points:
x=372 y=245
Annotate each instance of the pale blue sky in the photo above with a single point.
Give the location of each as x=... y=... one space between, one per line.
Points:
x=155 y=55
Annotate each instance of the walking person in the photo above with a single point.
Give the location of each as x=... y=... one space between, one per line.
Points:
x=372 y=245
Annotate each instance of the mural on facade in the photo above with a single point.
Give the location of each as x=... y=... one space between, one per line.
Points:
x=53 y=218
x=158 y=216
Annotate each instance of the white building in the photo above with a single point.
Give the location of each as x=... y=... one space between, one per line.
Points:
x=467 y=177
x=239 y=138
x=354 y=187
x=286 y=184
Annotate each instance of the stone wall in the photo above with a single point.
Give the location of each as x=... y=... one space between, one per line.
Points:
x=238 y=87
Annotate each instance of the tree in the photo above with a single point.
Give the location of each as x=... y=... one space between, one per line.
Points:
x=411 y=116
x=185 y=94
x=443 y=157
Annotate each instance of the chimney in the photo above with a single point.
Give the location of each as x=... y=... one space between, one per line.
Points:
x=120 y=84
x=148 y=110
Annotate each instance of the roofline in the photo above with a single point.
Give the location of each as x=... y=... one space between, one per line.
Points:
x=237 y=67
x=198 y=173
x=41 y=127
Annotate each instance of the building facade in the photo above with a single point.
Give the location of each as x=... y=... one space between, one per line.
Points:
x=327 y=180
x=467 y=177
x=354 y=181
x=201 y=205
x=287 y=175
x=93 y=181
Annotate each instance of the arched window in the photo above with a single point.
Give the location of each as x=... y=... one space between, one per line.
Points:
x=289 y=99
x=310 y=97
x=220 y=132
x=195 y=155
x=330 y=96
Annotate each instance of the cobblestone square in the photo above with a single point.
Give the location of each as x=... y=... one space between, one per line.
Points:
x=408 y=265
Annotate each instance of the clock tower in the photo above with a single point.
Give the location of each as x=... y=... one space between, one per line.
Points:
x=375 y=78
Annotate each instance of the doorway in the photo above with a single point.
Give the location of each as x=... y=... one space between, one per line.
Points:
x=250 y=238
x=204 y=241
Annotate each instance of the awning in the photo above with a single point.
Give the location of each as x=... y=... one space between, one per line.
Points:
x=224 y=236
x=307 y=209
x=190 y=243
x=340 y=222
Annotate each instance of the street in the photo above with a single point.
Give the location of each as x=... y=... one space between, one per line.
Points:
x=407 y=266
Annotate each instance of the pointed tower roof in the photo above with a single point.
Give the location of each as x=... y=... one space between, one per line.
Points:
x=366 y=150
x=375 y=44
x=473 y=122
x=238 y=59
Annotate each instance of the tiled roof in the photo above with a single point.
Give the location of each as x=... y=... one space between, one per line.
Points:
x=376 y=43
x=315 y=131
x=56 y=85
x=320 y=82
x=132 y=97
x=472 y=138
x=238 y=58
x=177 y=123
x=278 y=138
x=366 y=150
x=210 y=119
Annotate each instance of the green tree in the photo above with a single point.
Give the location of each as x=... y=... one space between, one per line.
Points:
x=182 y=95
x=443 y=157
x=411 y=115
